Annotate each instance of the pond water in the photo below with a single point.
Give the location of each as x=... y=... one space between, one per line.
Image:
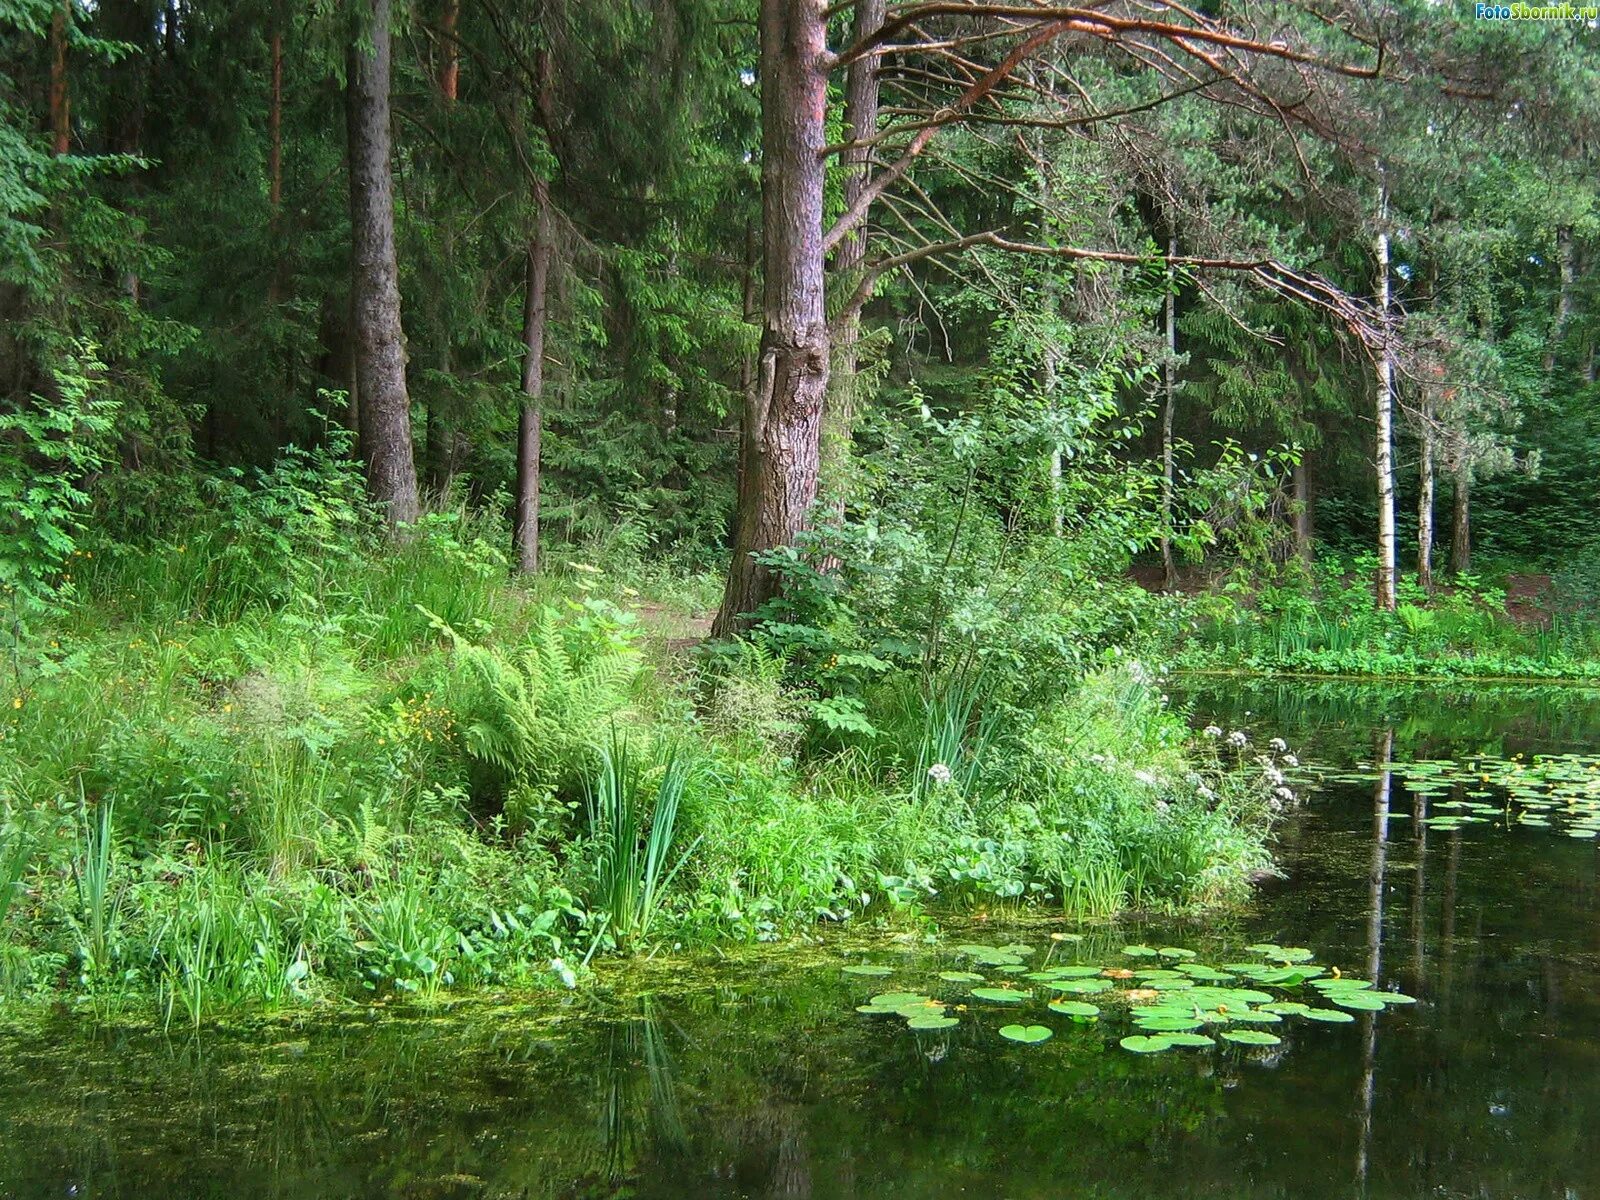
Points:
x=762 y=1080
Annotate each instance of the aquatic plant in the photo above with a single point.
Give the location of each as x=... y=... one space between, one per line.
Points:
x=1182 y=1003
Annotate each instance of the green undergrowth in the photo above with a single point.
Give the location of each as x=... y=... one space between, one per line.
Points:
x=273 y=757
x=1323 y=621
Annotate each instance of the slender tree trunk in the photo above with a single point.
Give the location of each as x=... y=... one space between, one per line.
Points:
x=1425 y=491
x=275 y=120
x=1169 y=387
x=749 y=439
x=792 y=379
x=60 y=101
x=1461 y=521
x=1384 y=406
x=530 y=424
x=450 y=73
x=1558 y=326
x=861 y=123
x=275 y=151
x=385 y=404
x=1302 y=508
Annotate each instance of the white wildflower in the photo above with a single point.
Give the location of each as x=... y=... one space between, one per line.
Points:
x=1290 y=760
x=1273 y=775
x=1284 y=793
x=1277 y=745
x=940 y=774
x=1238 y=739
x=1145 y=777
x=1205 y=793
x=1212 y=731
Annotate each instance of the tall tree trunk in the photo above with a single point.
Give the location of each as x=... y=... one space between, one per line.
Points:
x=1558 y=326
x=1302 y=508
x=1461 y=520
x=748 y=363
x=786 y=409
x=275 y=152
x=1384 y=408
x=450 y=73
x=385 y=405
x=60 y=101
x=1425 y=490
x=530 y=424
x=861 y=124
x=1169 y=387
x=275 y=119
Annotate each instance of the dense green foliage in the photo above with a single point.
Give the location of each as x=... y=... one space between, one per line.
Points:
x=259 y=746
x=275 y=757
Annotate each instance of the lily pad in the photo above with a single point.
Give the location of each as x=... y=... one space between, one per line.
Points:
x=1331 y=1016
x=1147 y=1044
x=1189 y=1039
x=931 y=1021
x=1077 y=1009
x=1027 y=1034
x=1000 y=995
x=960 y=977
x=1251 y=1037
x=867 y=969
x=1139 y=951
x=1360 y=1001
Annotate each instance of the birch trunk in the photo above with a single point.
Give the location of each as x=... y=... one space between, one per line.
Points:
x=1384 y=408
x=1169 y=386
x=1425 y=493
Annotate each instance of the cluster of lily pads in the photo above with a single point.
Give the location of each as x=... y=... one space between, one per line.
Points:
x=1560 y=792
x=1173 y=1001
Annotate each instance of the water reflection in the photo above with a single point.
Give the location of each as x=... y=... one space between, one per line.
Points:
x=1377 y=872
x=769 y=1085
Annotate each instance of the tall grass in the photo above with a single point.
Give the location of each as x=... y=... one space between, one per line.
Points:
x=633 y=820
x=100 y=896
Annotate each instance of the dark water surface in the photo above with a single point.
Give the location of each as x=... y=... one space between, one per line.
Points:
x=761 y=1081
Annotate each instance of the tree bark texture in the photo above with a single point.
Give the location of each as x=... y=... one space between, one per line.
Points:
x=1302 y=508
x=1169 y=387
x=450 y=73
x=385 y=404
x=530 y=423
x=861 y=124
x=785 y=416
x=1384 y=412
x=1461 y=522
x=1425 y=492
x=60 y=102
x=1567 y=265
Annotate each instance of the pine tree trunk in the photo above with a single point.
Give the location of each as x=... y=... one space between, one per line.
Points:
x=1302 y=508
x=385 y=404
x=275 y=121
x=861 y=123
x=60 y=102
x=1384 y=408
x=1425 y=490
x=530 y=423
x=1461 y=522
x=1169 y=387
x=450 y=73
x=792 y=379
x=1558 y=326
